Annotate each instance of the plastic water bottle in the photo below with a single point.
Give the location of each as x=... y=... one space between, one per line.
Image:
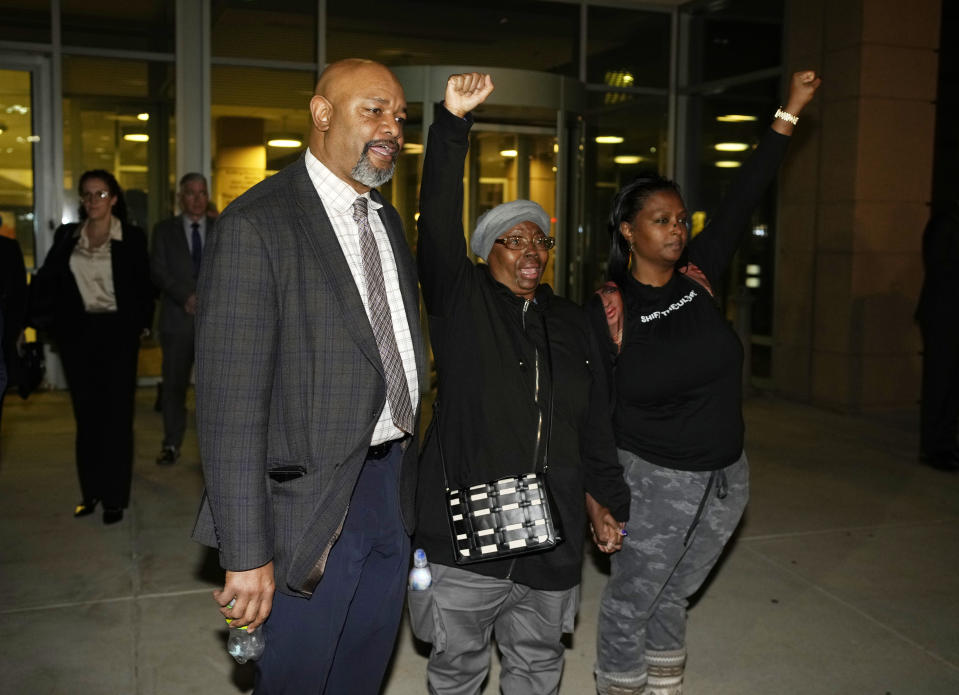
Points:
x=243 y=645
x=420 y=576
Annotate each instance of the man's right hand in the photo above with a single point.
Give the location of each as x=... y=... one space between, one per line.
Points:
x=252 y=594
x=466 y=91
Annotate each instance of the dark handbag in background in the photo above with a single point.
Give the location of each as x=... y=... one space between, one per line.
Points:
x=42 y=300
x=32 y=368
x=502 y=518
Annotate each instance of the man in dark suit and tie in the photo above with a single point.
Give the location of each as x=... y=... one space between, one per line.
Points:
x=309 y=355
x=174 y=264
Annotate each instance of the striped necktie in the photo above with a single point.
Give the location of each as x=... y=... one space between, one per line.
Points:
x=397 y=390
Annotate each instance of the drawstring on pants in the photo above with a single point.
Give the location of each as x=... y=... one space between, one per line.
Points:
x=722 y=489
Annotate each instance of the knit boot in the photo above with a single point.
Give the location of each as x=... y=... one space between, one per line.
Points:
x=620 y=683
x=665 y=672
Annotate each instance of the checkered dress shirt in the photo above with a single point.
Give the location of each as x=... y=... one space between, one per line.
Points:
x=337 y=197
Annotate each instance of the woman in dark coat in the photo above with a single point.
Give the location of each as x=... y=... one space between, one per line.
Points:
x=94 y=296
x=520 y=387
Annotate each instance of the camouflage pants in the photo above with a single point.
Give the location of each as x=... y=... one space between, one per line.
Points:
x=679 y=523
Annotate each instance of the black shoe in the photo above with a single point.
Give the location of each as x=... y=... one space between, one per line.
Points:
x=85 y=508
x=168 y=456
x=112 y=515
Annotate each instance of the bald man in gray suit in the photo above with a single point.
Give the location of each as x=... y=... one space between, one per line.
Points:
x=309 y=357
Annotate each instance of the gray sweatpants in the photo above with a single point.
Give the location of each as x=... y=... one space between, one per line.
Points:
x=665 y=559
x=462 y=609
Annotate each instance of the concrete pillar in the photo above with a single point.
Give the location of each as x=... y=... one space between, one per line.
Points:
x=854 y=198
x=192 y=87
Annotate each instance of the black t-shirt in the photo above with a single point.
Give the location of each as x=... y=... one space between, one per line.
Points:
x=679 y=375
x=678 y=378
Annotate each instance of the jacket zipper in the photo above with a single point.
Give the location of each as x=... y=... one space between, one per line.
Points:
x=539 y=428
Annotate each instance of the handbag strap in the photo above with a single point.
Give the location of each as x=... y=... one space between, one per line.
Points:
x=539 y=434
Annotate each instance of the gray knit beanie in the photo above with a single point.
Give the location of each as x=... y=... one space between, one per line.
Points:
x=492 y=223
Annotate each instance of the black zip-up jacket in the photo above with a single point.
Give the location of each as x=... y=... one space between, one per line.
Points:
x=487 y=343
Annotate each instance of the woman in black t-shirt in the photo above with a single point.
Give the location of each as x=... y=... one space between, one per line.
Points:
x=678 y=412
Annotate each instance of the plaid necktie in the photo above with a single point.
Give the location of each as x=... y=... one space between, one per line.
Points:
x=397 y=391
x=197 y=248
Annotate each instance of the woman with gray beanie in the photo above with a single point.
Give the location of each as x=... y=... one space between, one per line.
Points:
x=520 y=386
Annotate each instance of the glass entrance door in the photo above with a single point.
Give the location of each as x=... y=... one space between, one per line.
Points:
x=519 y=148
x=18 y=210
x=508 y=163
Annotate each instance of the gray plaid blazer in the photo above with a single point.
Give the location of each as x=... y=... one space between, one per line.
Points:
x=288 y=378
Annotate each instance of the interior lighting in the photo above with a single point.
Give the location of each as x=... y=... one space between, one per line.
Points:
x=508 y=153
x=627 y=159
x=727 y=164
x=143 y=116
x=136 y=137
x=752 y=269
x=735 y=118
x=618 y=78
x=752 y=282
x=412 y=148
x=760 y=230
x=608 y=139
x=287 y=141
x=731 y=146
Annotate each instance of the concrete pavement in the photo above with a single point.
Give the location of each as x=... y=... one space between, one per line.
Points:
x=844 y=577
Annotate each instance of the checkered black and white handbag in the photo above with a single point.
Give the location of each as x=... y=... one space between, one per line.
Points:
x=501 y=518
x=510 y=516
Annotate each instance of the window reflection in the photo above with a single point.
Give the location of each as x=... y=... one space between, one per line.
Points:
x=734 y=38
x=622 y=140
x=265 y=29
x=16 y=153
x=725 y=144
x=523 y=34
x=146 y=25
x=28 y=20
x=252 y=106
x=118 y=116
x=506 y=164
x=627 y=48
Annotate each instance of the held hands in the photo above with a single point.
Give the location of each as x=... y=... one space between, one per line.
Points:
x=251 y=593
x=189 y=306
x=802 y=87
x=607 y=532
x=467 y=91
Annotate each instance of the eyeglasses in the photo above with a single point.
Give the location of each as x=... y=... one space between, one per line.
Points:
x=95 y=195
x=521 y=243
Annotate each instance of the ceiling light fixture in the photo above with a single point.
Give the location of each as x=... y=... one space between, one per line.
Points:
x=284 y=140
x=608 y=139
x=136 y=137
x=508 y=153
x=143 y=117
x=731 y=146
x=627 y=159
x=412 y=148
x=727 y=164
x=735 y=118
